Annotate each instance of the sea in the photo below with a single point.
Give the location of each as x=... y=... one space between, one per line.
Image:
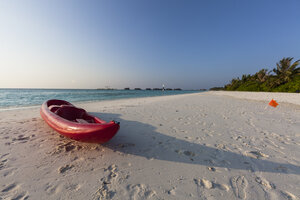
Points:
x=20 y=98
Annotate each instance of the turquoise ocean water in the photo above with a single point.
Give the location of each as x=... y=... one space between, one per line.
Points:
x=15 y=98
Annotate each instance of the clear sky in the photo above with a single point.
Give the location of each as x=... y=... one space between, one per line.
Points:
x=143 y=43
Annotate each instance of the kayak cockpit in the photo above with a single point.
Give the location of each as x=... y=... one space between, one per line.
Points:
x=69 y=112
x=74 y=114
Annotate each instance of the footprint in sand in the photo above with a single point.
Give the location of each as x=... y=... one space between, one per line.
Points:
x=74 y=187
x=52 y=188
x=66 y=147
x=239 y=185
x=106 y=191
x=264 y=183
x=207 y=184
x=258 y=154
x=188 y=138
x=2 y=163
x=21 y=138
x=10 y=187
x=212 y=169
x=11 y=191
x=267 y=188
x=65 y=168
x=204 y=183
x=288 y=195
x=186 y=153
x=140 y=191
x=172 y=191
x=21 y=196
x=221 y=186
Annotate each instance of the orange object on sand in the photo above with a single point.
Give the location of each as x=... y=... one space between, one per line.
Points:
x=273 y=103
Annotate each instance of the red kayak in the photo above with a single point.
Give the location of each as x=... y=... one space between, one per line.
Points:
x=76 y=123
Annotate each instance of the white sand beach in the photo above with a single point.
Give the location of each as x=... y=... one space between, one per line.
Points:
x=210 y=145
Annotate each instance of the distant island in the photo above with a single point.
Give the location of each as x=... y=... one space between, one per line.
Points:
x=127 y=88
x=106 y=89
x=284 y=78
x=163 y=89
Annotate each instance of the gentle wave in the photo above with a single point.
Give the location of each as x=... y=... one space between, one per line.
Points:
x=16 y=98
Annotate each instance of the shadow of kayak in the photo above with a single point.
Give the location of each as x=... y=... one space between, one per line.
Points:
x=144 y=140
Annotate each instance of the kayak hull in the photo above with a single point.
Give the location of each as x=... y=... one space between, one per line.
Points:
x=93 y=130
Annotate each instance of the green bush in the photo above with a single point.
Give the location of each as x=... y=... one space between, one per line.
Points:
x=285 y=78
x=292 y=86
x=249 y=86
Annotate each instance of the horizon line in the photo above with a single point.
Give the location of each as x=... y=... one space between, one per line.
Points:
x=97 y=88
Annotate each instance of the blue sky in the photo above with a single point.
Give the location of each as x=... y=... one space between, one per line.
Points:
x=187 y=44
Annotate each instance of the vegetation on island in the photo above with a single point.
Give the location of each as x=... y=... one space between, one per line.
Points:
x=284 y=78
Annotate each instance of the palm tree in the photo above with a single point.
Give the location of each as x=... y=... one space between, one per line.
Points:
x=235 y=83
x=286 y=71
x=245 y=78
x=262 y=75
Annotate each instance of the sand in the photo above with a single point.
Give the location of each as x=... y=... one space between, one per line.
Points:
x=210 y=145
x=293 y=98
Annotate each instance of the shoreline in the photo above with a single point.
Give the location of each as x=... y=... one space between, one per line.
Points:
x=189 y=146
x=17 y=107
x=292 y=98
